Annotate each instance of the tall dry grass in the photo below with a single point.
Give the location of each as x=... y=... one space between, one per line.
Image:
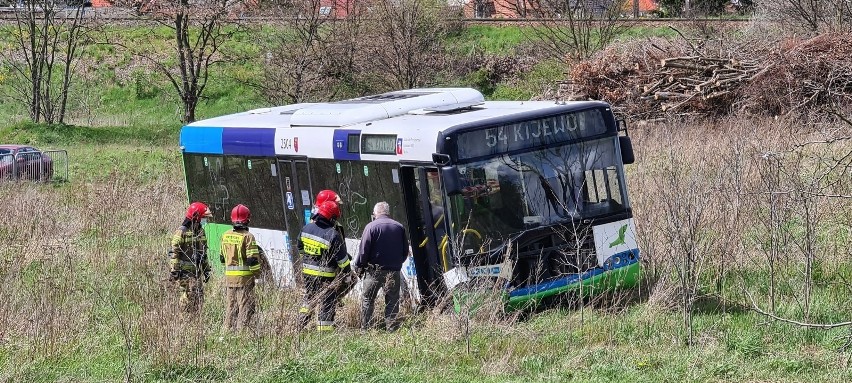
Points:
x=723 y=209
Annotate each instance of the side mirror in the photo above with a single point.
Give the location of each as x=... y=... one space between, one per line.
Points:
x=441 y=159
x=621 y=125
x=451 y=179
x=626 y=146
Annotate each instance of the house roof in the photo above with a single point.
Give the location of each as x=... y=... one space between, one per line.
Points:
x=644 y=5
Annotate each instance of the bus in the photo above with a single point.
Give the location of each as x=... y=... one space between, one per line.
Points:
x=530 y=195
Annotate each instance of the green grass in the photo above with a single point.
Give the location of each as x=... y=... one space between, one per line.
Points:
x=605 y=348
x=634 y=342
x=488 y=39
x=541 y=78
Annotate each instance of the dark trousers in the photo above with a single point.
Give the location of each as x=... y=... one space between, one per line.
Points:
x=318 y=293
x=389 y=282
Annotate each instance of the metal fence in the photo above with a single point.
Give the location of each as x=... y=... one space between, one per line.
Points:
x=45 y=166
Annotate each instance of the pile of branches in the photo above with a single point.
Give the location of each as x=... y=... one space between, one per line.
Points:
x=657 y=78
x=681 y=80
x=806 y=75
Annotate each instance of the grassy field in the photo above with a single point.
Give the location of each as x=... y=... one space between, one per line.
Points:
x=86 y=302
x=83 y=296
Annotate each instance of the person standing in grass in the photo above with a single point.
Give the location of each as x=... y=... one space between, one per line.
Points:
x=188 y=262
x=345 y=281
x=324 y=256
x=384 y=247
x=242 y=260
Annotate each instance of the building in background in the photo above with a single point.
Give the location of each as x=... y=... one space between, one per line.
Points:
x=512 y=9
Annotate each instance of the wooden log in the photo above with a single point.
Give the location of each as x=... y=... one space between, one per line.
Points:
x=702 y=88
x=694 y=67
x=669 y=95
x=691 y=80
x=728 y=76
x=760 y=73
x=663 y=62
x=717 y=94
x=726 y=70
x=647 y=89
x=726 y=81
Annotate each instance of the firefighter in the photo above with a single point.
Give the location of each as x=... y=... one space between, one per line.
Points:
x=242 y=261
x=328 y=195
x=345 y=281
x=188 y=257
x=324 y=256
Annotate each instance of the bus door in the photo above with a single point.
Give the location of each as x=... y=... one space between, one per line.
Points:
x=297 y=198
x=424 y=208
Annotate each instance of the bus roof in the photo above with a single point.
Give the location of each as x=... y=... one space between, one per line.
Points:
x=410 y=120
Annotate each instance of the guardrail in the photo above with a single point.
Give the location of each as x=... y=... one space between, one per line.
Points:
x=44 y=166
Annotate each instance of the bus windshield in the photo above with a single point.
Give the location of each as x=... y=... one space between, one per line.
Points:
x=508 y=194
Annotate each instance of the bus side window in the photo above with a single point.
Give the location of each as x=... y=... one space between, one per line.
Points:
x=205 y=182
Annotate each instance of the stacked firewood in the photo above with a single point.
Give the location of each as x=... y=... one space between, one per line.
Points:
x=681 y=80
x=654 y=78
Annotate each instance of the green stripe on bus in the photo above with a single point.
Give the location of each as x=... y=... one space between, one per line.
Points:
x=623 y=277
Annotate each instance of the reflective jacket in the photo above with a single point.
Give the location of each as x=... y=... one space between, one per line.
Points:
x=337 y=225
x=240 y=256
x=189 y=252
x=323 y=249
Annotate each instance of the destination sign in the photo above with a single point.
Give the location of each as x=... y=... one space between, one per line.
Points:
x=378 y=144
x=529 y=134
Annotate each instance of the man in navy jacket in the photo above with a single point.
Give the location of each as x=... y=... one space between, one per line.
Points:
x=384 y=247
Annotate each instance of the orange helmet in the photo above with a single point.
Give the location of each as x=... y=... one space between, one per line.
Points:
x=198 y=210
x=327 y=195
x=240 y=215
x=329 y=210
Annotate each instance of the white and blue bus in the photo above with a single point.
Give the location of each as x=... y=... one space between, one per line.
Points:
x=528 y=193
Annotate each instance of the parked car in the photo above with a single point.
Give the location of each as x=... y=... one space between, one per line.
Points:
x=24 y=162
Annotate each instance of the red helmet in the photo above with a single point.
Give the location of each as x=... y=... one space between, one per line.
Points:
x=327 y=195
x=240 y=215
x=198 y=210
x=329 y=210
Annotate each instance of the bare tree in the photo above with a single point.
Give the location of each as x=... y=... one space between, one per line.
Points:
x=571 y=29
x=405 y=42
x=814 y=177
x=770 y=175
x=348 y=47
x=200 y=29
x=310 y=50
x=46 y=40
x=811 y=15
x=689 y=214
